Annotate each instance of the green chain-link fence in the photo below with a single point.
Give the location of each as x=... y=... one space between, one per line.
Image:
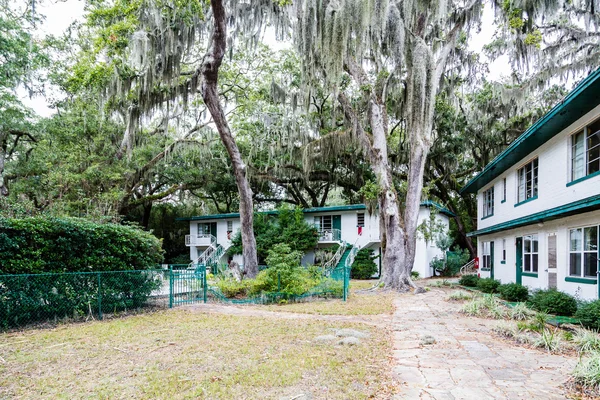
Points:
x=31 y=299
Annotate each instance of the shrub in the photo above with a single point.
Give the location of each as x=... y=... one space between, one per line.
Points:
x=469 y=280
x=415 y=275
x=587 y=371
x=48 y=244
x=589 y=315
x=586 y=340
x=232 y=288
x=521 y=312
x=553 y=302
x=513 y=292
x=363 y=266
x=488 y=285
x=287 y=227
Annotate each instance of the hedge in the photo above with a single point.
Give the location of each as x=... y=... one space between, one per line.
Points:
x=48 y=244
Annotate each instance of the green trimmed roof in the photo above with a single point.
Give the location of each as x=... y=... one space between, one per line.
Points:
x=577 y=207
x=351 y=207
x=577 y=103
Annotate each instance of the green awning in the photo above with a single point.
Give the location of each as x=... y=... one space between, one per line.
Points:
x=576 y=104
x=577 y=207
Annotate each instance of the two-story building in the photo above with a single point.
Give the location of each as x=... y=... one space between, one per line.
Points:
x=539 y=201
x=351 y=224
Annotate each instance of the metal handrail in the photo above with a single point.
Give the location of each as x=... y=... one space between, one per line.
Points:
x=329 y=235
x=192 y=240
x=468 y=268
x=336 y=257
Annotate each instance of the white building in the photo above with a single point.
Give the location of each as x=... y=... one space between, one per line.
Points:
x=539 y=200
x=351 y=224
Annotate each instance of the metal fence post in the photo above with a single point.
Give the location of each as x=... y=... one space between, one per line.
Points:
x=99 y=295
x=171 y=287
x=278 y=282
x=204 y=284
x=345 y=285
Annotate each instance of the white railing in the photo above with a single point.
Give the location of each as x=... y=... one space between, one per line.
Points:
x=200 y=240
x=468 y=268
x=332 y=263
x=329 y=235
x=351 y=256
x=211 y=255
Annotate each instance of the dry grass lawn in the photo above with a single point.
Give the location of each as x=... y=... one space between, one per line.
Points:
x=187 y=354
x=365 y=303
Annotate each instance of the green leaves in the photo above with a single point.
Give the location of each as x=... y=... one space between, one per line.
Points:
x=45 y=244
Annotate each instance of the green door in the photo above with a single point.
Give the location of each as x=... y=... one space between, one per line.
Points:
x=337 y=222
x=519 y=260
x=213 y=229
x=492 y=260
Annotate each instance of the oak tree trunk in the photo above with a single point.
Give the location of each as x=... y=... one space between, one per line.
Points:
x=210 y=94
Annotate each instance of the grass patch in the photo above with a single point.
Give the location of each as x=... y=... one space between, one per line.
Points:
x=358 y=303
x=460 y=295
x=186 y=354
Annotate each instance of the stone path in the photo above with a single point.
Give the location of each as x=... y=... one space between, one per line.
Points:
x=466 y=361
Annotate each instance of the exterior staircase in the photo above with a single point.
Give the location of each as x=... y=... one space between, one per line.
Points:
x=209 y=257
x=345 y=256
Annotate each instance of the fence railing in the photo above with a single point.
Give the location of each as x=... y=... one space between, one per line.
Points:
x=329 y=235
x=31 y=298
x=200 y=240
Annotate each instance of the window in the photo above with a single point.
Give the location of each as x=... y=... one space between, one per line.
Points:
x=323 y=223
x=486 y=256
x=488 y=202
x=583 y=252
x=528 y=181
x=229 y=226
x=504 y=250
x=530 y=253
x=503 y=190
x=203 y=229
x=585 y=151
x=360 y=220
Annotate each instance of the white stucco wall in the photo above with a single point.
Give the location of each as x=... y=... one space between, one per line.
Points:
x=370 y=238
x=561 y=227
x=554 y=172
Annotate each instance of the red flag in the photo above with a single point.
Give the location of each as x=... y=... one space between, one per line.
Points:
x=360 y=230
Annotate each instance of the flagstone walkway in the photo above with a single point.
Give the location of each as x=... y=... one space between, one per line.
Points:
x=466 y=361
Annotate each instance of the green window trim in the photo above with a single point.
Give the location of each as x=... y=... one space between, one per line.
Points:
x=583 y=178
x=502 y=261
x=526 y=201
x=530 y=274
x=487 y=216
x=587 y=281
x=485 y=269
x=503 y=201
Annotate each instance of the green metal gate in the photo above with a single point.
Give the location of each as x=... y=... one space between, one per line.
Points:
x=187 y=286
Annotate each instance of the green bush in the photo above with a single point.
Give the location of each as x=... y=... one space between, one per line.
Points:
x=513 y=292
x=287 y=227
x=450 y=266
x=553 y=302
x=363 y=266
x=468 y=280
x=26 y=299
x=589 y=315
x=47 y=244
x=488 y=285
x=284 y=276
x=232 y=288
